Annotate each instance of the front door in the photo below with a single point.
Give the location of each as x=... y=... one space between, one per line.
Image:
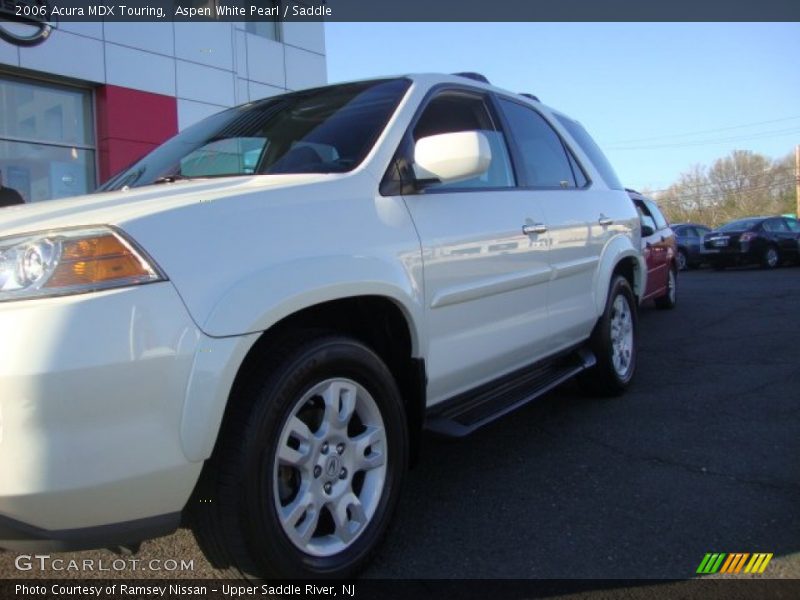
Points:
x=485 y=279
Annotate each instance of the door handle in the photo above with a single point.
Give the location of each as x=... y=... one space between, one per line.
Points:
x=534 y=228
x=605 y=221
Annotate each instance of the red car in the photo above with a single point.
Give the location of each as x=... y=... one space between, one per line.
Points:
x=659 y=248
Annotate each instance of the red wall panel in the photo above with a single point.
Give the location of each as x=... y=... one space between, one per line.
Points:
x=130 y=123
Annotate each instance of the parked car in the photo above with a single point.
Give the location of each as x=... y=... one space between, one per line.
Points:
x=251 y=326
x=691 y=252
x=659 y=249
x=767 y=241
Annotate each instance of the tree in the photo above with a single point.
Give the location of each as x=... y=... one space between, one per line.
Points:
x=739 y=185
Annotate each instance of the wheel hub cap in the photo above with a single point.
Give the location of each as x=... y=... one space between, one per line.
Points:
x=621 y=336
x=330 y=467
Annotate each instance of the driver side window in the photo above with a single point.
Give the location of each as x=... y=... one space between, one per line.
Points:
x=645 y=217
x=454 y=112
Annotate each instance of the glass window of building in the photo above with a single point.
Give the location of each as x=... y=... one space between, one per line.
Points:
x=268 y=27
x=46 y=140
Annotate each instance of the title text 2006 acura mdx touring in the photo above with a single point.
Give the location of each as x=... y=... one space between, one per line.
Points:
x=252 y=325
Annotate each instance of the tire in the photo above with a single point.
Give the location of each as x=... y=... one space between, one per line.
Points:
x=308 y=468
x=670 y=298
x=616 y=365
x=771 y=258
x=683 y=260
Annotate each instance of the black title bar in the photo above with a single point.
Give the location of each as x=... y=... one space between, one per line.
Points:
x=54 y=11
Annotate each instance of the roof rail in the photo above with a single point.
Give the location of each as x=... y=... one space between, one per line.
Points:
x=531 y=96
x=473 y=76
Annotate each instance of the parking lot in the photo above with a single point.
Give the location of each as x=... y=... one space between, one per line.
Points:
x=702 y=455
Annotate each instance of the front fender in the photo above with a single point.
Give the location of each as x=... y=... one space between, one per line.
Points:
x=265 y=297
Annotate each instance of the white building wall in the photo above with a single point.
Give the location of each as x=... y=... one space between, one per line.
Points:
x=206 y=66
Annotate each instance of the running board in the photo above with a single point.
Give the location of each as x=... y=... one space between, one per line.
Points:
x=463 y=414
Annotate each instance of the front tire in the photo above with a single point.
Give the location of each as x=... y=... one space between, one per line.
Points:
x=683 y=260
x=308 y=468
x=614 y=343
x=771 y=258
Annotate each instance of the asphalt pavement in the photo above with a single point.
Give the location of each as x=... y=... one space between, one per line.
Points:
x=702 y=455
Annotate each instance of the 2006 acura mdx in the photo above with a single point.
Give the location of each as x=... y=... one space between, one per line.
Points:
x=252 y=325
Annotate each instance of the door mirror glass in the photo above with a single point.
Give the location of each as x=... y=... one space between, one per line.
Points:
x=647 y=230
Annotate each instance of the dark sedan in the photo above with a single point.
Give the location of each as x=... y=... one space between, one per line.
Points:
x=691 y=252
x=767 y=241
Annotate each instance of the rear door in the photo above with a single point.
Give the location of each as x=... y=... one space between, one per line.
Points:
x=485 y=279
x=552 y=181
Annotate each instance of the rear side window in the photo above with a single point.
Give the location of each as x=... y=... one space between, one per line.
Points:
x=454 y=112
x=544 y=158
x=592 y=150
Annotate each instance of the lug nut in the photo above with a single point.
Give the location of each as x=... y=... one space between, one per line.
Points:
x=343 y=473
x=324 y=448
x=327 y=487
x=317 y=471
x=340 y=448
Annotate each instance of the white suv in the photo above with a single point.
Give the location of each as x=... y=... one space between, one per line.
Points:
x=252 y=326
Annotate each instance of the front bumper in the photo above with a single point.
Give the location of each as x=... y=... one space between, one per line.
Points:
x=92 y=393
x=22 y=537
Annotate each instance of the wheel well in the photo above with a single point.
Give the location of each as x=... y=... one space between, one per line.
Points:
x=628 y=268
x=375 y=321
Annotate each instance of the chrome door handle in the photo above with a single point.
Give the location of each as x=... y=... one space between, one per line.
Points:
x=605 y=221
x=534 y=228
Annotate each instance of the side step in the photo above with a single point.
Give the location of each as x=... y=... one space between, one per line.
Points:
x=463 y=414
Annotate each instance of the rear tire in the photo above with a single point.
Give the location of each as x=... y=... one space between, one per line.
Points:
x=670 y=297
x=308 y=467
x=614 y=342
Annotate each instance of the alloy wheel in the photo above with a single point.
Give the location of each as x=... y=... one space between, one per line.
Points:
x=330 y=467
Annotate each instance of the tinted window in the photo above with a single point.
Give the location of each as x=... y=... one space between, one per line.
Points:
x=793 y=224
x=592 y=150
x=581 y=180
x=453 y=112
x=775 y=225
x=544 y=158
x=661 y=221
x=644 y=215
x=740 y=225
x=323 y=130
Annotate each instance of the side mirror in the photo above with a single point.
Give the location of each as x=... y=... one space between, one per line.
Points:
x=647 y=231
x=450 y=157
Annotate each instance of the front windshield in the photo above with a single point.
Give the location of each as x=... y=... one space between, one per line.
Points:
x=323 y=130
x=740 y=225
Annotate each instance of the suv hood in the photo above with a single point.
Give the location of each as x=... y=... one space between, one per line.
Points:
x=118 y=207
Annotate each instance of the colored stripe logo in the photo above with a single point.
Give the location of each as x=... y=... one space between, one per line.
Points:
x=737 y=562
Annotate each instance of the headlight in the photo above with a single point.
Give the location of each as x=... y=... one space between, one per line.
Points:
x=70 y=261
